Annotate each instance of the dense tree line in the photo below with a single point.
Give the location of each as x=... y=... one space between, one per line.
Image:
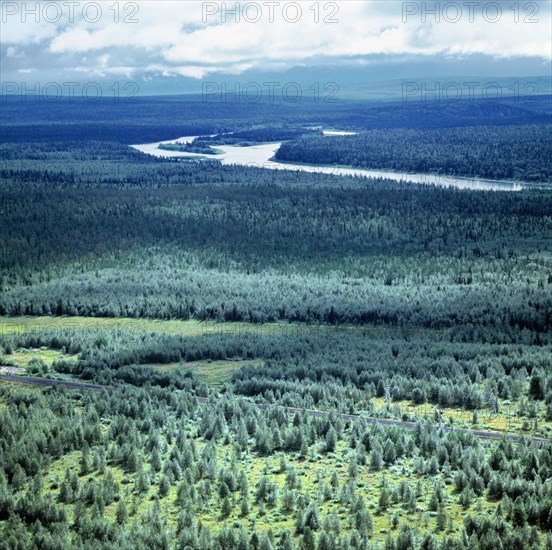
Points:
x=197 y=147
x=521 y=153
x=259 y=135
x=206 y=145
x=263 y=246
x=518 y=312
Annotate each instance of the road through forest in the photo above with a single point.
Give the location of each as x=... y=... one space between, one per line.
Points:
x=205 y=400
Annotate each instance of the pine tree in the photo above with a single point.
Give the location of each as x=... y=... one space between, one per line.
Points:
x=429 y=542
x=330 y=441
x=405 y=539
x=307 y=541
x=384 y=499
x=376 y=462
x=312 y=518
x=519 y=514
x=121 y=514
x=85 y=459
x=226 y=508
x=244 y=507
x=441 y=518
x=286 y=541
x=164 y=486
x=265 y=543
x=155 y=460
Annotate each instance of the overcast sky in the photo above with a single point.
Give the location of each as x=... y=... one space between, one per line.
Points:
x=149 y=39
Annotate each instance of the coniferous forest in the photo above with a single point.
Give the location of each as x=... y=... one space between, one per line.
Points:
x=205 y=356
x=516 y=152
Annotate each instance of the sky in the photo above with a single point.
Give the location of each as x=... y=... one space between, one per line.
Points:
x=196 y=42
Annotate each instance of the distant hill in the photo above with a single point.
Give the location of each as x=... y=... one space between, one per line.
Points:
x=148 y=119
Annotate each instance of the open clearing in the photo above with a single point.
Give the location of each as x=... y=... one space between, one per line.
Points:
x=214 y=373
x=23 y=324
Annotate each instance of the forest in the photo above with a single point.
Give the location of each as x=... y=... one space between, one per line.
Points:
x=196 y=146
x=206 y=145
x=522 y=153
x=142 y=465
x=260 y=135
x=155 y=239
x=248 y=332
x=148 y=119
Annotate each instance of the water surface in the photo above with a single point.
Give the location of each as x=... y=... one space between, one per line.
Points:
x=261 y=155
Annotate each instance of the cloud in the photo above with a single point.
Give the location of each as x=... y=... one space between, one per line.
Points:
x=14 y=53
x=198 y=39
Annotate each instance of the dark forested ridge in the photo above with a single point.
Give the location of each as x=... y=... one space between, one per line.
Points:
x=143 y=120
x=495 y=152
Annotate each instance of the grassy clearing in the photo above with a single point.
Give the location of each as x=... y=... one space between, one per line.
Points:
x=24 y=324
x=22 y=357
x=188 y=328
x=213 y=373
x=34 y=362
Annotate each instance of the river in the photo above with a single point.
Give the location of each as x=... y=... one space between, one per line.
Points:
x=260 y=155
